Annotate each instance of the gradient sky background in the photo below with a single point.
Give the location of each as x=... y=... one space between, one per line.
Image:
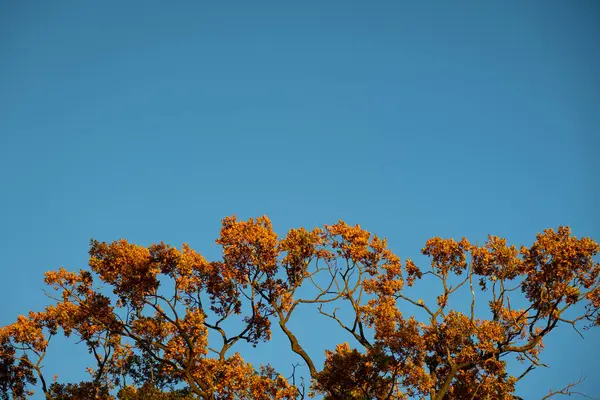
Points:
x=153 y=121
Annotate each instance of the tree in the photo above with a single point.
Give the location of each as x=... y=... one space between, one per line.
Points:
x=144 y=313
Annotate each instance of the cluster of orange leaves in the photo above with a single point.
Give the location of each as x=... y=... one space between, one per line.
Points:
x=164 y=302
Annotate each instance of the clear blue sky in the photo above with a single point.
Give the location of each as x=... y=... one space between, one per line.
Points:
x=153 y=120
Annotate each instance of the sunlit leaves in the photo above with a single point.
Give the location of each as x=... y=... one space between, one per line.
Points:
x=160 y=322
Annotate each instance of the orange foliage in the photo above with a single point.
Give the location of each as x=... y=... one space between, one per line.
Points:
x=163 y=302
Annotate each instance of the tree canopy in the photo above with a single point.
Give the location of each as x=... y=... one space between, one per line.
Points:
x=146 y=314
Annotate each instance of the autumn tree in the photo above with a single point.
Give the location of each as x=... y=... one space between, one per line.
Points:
x=145 y=314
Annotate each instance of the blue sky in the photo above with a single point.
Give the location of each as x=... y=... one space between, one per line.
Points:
x=153 y=121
